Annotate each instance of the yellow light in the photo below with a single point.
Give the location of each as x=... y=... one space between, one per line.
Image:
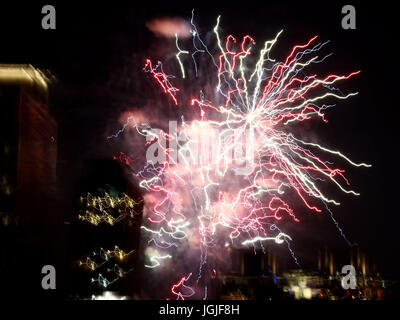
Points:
x=24 y=73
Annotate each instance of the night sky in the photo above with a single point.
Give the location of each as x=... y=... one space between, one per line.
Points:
x=97 y=53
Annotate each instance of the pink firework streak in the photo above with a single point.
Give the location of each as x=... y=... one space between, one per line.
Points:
x=225 y=177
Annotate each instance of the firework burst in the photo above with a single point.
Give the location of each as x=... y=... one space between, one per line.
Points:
x=231 y=173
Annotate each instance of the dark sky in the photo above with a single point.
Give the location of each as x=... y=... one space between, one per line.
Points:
x=95 y=53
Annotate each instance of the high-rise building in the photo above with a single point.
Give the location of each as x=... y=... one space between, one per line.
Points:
x=28 y=143
x=28 y=158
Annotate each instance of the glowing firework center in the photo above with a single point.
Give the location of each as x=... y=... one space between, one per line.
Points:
x=229 y=172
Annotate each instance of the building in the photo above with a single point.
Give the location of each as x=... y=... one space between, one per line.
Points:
x=28 y=159
x=28 y=142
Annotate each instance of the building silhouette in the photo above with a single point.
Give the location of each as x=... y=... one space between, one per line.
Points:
x=28 y=160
